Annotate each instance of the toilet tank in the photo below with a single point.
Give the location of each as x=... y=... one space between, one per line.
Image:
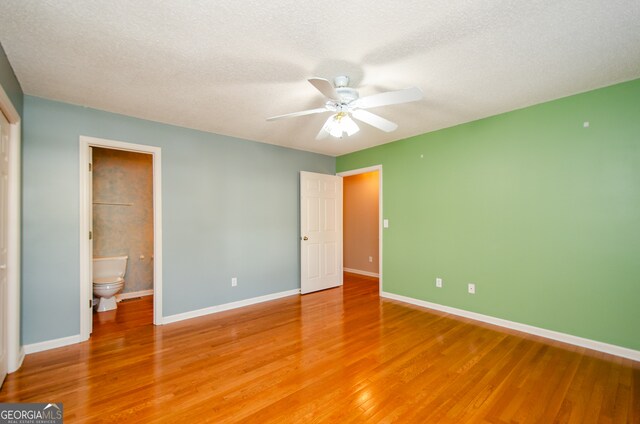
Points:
x=114 y=266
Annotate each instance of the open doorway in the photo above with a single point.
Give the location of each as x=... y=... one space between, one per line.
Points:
x=362 y=222
x=120 y=221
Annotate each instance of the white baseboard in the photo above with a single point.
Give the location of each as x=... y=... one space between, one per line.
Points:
x=227 y=306
x=357 y=271
x=51 y=344
x=549 y=334
x=131 y=295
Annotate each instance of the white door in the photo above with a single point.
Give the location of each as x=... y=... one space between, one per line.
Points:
x=320 y=231
x=4 y=208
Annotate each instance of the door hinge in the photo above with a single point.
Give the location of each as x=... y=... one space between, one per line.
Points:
x=89 y=166
x=90 y=303
x=90 y=235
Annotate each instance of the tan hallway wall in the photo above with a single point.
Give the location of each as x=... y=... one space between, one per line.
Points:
x=361 y=224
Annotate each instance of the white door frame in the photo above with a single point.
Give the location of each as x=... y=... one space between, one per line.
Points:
x=15 y=352
x=86 y=284
x=380 y=215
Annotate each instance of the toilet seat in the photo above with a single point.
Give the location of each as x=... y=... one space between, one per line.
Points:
x=105 y=288
x=108 y=280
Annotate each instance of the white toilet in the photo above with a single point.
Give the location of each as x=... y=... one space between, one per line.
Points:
x=108 y=279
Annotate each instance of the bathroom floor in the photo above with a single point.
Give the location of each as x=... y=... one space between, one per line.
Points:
x=131 y=313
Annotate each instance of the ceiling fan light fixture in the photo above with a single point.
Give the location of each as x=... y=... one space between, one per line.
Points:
x=340 y=123
x=335 y=130
x=350 y=126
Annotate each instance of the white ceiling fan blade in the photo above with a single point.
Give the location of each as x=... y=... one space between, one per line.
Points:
x=390 y=98
x=325 y=87
x=374 y=120
x=301 y=113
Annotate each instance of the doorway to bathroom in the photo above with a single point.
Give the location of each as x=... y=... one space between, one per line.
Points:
x=122 y=187
x=120 y=218
x=362 y=222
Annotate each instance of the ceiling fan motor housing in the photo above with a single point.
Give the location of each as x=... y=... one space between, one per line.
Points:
x=347 y=94
x=341 y=81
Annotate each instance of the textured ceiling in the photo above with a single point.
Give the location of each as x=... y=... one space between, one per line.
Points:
x=224 y=67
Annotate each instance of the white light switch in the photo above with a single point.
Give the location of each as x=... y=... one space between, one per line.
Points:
x=385 y=223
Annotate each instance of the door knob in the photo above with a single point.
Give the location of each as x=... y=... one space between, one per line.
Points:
x=305 y=238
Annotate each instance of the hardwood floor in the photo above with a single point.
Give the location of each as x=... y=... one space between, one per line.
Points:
x=338 y=356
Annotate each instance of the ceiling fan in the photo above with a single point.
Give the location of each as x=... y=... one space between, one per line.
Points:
x=346 y=103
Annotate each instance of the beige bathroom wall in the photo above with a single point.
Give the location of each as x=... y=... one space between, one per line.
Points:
x=123 y=212
x=360 y=222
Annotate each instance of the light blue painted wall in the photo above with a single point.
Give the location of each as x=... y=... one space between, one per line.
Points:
x=230 y=208
x=9 y=82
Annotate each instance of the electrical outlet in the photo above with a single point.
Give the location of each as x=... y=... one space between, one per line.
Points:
x=439 y=282
x=370 y=258
x=234 y=282
x=472 y=288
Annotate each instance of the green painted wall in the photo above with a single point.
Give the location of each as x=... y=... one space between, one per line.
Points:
x=541 y=213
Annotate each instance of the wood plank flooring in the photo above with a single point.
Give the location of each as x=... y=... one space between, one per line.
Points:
x=338 y=356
